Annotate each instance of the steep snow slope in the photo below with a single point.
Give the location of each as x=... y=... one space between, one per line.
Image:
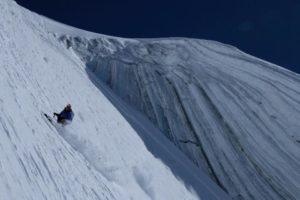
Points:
x=235 y=116
x=98 y=156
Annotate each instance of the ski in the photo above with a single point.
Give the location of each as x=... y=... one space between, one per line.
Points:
x=49 y=121
x=48 y=117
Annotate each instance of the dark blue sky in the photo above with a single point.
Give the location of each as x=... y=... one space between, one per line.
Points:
x=263 y=28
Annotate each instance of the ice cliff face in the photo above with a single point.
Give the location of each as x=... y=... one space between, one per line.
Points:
x=235 y=116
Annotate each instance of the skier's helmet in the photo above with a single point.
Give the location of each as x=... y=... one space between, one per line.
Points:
x=68 y=106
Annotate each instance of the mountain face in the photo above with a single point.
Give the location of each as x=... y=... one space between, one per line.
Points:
x=235 y=116
x=226 y=115
x=99 y=155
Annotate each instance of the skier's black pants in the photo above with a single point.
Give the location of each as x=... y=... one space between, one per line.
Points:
x=59 y=118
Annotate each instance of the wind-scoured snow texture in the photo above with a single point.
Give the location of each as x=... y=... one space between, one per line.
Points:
x=237 y=114
x=99 y=155
x=35 y=162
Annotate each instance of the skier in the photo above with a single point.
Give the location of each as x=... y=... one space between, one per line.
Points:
x=65 y=115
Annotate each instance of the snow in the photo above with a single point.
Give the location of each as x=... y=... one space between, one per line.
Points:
x=102 y=154
x=240 y=111
x=135 y=100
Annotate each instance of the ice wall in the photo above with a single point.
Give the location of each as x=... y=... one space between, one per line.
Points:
x=237 y=113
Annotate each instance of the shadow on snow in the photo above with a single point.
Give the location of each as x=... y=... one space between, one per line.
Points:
x=161 y=148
